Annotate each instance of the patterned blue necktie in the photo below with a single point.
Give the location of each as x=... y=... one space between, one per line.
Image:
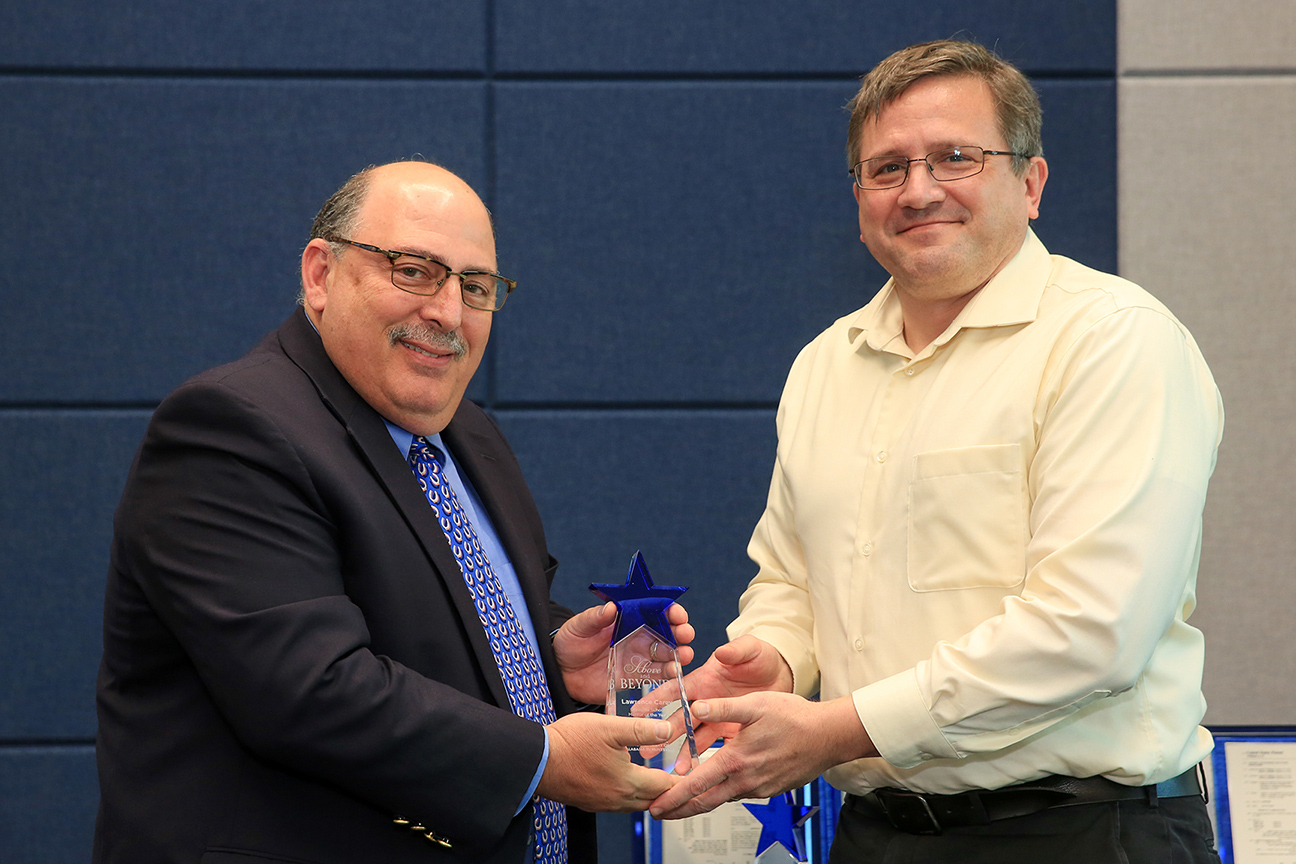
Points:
x=528 y=691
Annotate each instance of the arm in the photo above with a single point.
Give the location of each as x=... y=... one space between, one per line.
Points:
x=1128 y=426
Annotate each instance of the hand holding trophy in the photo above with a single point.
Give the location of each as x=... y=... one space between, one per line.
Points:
x=643 y=657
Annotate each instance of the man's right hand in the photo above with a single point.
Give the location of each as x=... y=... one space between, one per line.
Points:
x=590 y=768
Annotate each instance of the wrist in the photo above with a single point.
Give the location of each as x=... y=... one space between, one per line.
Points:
x=845 y=732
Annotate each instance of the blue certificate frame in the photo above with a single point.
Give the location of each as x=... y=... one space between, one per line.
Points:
x=1219 y=794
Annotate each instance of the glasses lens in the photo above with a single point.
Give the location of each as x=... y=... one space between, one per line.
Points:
x=417 y=276
x=881 y=173
x=956 y=162
x=483 y=291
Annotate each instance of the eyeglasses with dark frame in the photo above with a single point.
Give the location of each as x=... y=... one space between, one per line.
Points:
x=419 y=274
x=945 y=165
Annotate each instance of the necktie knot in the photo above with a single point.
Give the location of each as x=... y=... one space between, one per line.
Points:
x=421 y=448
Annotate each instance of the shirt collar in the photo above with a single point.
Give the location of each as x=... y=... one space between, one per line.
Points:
x=1011 y=297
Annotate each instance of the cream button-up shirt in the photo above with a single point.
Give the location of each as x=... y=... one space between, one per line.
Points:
x=992 y=545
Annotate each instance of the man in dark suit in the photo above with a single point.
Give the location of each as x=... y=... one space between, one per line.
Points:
x=295 y=667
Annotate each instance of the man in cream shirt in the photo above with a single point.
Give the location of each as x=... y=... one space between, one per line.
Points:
x=981 y=540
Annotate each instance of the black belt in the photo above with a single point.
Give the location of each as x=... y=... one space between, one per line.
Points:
x=919 y=813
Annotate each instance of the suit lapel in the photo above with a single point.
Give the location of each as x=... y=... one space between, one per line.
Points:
x=366 y=427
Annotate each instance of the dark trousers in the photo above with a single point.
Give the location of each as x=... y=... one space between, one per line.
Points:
x=1171 y=831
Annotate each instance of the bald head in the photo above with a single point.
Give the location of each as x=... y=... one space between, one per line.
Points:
x=339 y=217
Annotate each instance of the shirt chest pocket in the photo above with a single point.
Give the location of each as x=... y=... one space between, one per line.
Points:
x=967 y=519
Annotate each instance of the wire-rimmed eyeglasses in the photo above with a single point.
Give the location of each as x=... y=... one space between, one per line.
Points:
x=945 y=165
x=419 y=274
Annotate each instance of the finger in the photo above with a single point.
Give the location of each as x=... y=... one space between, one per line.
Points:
x=663 y=694
x=696 y=806
x=676 y=614
x=686 y=759
x=698 y=783
x=706 y=735
x=738 y=710
x=648 y=751
x=651 y=783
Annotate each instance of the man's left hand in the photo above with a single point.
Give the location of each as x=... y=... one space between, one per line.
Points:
x=583 y=642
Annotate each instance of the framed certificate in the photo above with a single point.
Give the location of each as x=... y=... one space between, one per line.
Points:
x=1253 y=793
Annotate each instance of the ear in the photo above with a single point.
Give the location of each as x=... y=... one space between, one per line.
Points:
x=1036 y=175
x=317 y=259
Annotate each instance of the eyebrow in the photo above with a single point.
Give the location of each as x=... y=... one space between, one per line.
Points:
x=944 y=145
x=440 y=259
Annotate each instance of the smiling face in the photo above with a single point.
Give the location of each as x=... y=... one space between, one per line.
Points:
x=410 y=357
x=942 y=242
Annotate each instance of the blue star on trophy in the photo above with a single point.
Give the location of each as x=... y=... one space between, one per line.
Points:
x=643 y=657
x=781 y=822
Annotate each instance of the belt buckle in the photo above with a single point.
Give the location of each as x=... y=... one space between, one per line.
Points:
x=909 y=812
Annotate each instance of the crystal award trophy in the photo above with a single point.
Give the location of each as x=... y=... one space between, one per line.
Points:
x=642 y=659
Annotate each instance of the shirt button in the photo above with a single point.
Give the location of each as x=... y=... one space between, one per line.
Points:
x=859 y=644
x=909 y=371
x=881 y=456
x=866 y=550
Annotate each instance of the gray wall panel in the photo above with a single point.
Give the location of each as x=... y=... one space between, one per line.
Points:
x=1161 y=35
x=1211 y=236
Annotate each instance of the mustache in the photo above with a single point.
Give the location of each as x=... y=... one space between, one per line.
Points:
x=449 y=340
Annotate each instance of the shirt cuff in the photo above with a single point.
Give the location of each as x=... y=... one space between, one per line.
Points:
x=535 y=781
x=895 y=715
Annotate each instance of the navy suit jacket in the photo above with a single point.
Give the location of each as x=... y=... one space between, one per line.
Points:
x=291 y=655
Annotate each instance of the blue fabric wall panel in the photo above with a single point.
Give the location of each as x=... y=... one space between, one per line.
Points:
x=62 y=473
x=371 y=35
x=49 y=795
x=772 y=36
x=682 y=241
x=1078 y=213
x=685 y=487
x=153 y=228
x=674 y=241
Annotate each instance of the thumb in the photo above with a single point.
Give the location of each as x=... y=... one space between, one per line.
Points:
x=639 y=732
x=739 y=651
x=591 y=620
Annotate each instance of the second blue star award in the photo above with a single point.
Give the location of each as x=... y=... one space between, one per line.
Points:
x=643 y=658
